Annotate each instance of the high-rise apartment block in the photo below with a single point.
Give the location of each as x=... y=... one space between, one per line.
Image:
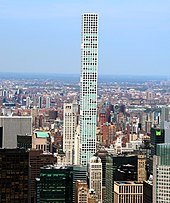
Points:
x=69 y=131
x=88 y=85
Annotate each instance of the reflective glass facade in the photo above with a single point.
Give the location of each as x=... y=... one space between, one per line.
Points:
x=163 y=150
x=55 y=185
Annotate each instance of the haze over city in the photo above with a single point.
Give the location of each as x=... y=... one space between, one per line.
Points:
x=84 y=101
x=44 y=36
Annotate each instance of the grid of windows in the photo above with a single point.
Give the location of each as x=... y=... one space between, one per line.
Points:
x=95 y=171
x=88 y=86
x=70 y=124
x=163 y=180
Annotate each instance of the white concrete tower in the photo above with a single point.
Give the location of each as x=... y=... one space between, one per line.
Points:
x=69 y=130
x=28 y=102
x=88 y=86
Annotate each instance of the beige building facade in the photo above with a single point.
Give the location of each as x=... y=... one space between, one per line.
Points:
x=128 y=192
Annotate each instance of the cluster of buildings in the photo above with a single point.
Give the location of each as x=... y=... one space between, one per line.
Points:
x=61 y=143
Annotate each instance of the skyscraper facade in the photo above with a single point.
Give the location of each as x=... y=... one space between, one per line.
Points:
x=128 y=191
x=14 y=175
x=11 y=126
x=37 y=160
x=81 y=192
x=69 y=130
x=107 y=175
x=165 y=122
x=88 y=85
x=161 y=171
x=55 y=185
x=95 y=177
x=28 y=102
x=47 y=105
x=40 y=102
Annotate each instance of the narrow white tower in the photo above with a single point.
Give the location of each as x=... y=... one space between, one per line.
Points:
x=28 y=102
x=88 y=86
x=69 y=131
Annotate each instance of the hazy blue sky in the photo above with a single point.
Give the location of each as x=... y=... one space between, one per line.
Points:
x=44 y=36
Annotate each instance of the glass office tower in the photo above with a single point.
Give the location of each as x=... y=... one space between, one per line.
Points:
x=88 y=86
x=161 y=171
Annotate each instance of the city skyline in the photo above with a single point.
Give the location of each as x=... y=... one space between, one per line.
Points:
x=37 y=36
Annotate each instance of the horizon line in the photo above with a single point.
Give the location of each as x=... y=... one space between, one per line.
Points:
x=78 y=74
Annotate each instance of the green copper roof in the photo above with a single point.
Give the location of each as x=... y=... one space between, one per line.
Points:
x=42 y=134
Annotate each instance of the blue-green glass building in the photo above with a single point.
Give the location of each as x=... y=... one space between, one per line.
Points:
x=163 y=151
x=161 y=174
x=55 y=185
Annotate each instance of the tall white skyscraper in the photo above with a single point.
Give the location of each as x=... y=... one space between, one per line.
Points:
x=88 y=86
x=28 y=102
x=69 y=131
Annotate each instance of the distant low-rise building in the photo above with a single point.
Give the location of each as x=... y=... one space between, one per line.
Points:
x=41 y=140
